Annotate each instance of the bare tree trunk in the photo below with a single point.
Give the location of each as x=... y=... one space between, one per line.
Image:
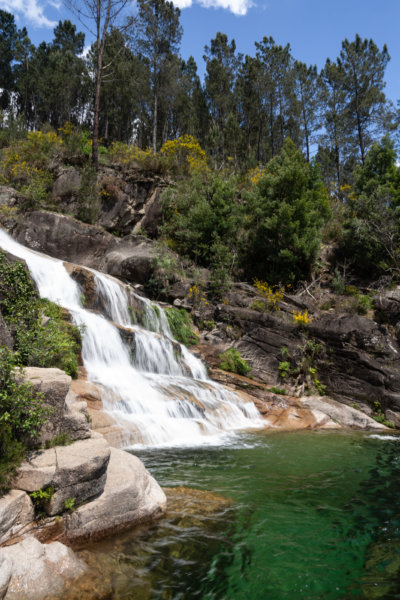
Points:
x=95 y=138
x=155 y=114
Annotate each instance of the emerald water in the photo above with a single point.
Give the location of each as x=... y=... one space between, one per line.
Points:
x=311 y=515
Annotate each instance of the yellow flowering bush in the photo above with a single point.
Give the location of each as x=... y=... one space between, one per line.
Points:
x=302 y=318
x=129 y=155
x=23 y=164
x=271 y=294
x=186 y=154
x=255 y=175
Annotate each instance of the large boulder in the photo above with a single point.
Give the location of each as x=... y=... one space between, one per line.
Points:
x=66 y=187
x=76 y=471
x=35 y=571
x=66 y=417
x=346 y=416
x=16 y=513
x=131 y=496
x=132 y=258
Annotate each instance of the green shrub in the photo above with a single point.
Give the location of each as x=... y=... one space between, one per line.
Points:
x=22 y=414
x=284 y=368
x=69 y=504
x=181 y=326
x=230 y=360
x=360 y=304
x=277 y=390
x=41 y=497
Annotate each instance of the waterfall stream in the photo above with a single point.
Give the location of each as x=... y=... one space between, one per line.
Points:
x=159 y=392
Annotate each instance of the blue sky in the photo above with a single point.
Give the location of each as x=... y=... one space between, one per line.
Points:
x=314 y=28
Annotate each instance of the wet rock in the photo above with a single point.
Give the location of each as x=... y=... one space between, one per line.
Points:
x=16 y=513
x=131 y=259
x=85 y=280
x=131 y=496
x=76 y=471
x=34 y=571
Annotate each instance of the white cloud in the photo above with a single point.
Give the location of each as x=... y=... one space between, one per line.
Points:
x=183 y=3
x=238 y=7
x=30 y=10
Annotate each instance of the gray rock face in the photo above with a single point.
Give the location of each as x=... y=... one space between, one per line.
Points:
x=34 y=571
x=16 y=512
x=131 y=496
x=66 y=416
x=75 y=471
x=129 y=203
x=63 y=237
x=360 y=361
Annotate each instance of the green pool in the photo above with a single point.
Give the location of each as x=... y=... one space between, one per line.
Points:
x=309 y=515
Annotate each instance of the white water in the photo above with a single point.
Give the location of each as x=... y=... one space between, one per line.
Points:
x=159 y=393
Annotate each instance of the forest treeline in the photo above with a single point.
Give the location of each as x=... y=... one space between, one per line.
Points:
x=274 y=155
x=241 y=114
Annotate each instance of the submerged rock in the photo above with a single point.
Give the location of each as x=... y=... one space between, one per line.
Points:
x=34 y=571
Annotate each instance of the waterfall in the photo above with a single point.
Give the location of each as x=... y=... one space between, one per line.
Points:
x=150 y=384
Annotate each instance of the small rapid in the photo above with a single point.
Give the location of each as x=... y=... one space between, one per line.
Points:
x=150 y=384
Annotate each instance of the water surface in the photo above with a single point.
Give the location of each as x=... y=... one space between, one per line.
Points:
x=308 y=515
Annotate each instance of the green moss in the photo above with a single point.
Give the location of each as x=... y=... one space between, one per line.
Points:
x=181 y=326
x=233 y=362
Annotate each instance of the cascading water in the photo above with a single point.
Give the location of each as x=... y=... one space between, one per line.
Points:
x=160 y=392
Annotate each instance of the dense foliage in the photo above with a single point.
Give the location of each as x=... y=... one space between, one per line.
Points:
x=22 y=414
x=271 y=229
x=43 y=337
x=269 y=156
